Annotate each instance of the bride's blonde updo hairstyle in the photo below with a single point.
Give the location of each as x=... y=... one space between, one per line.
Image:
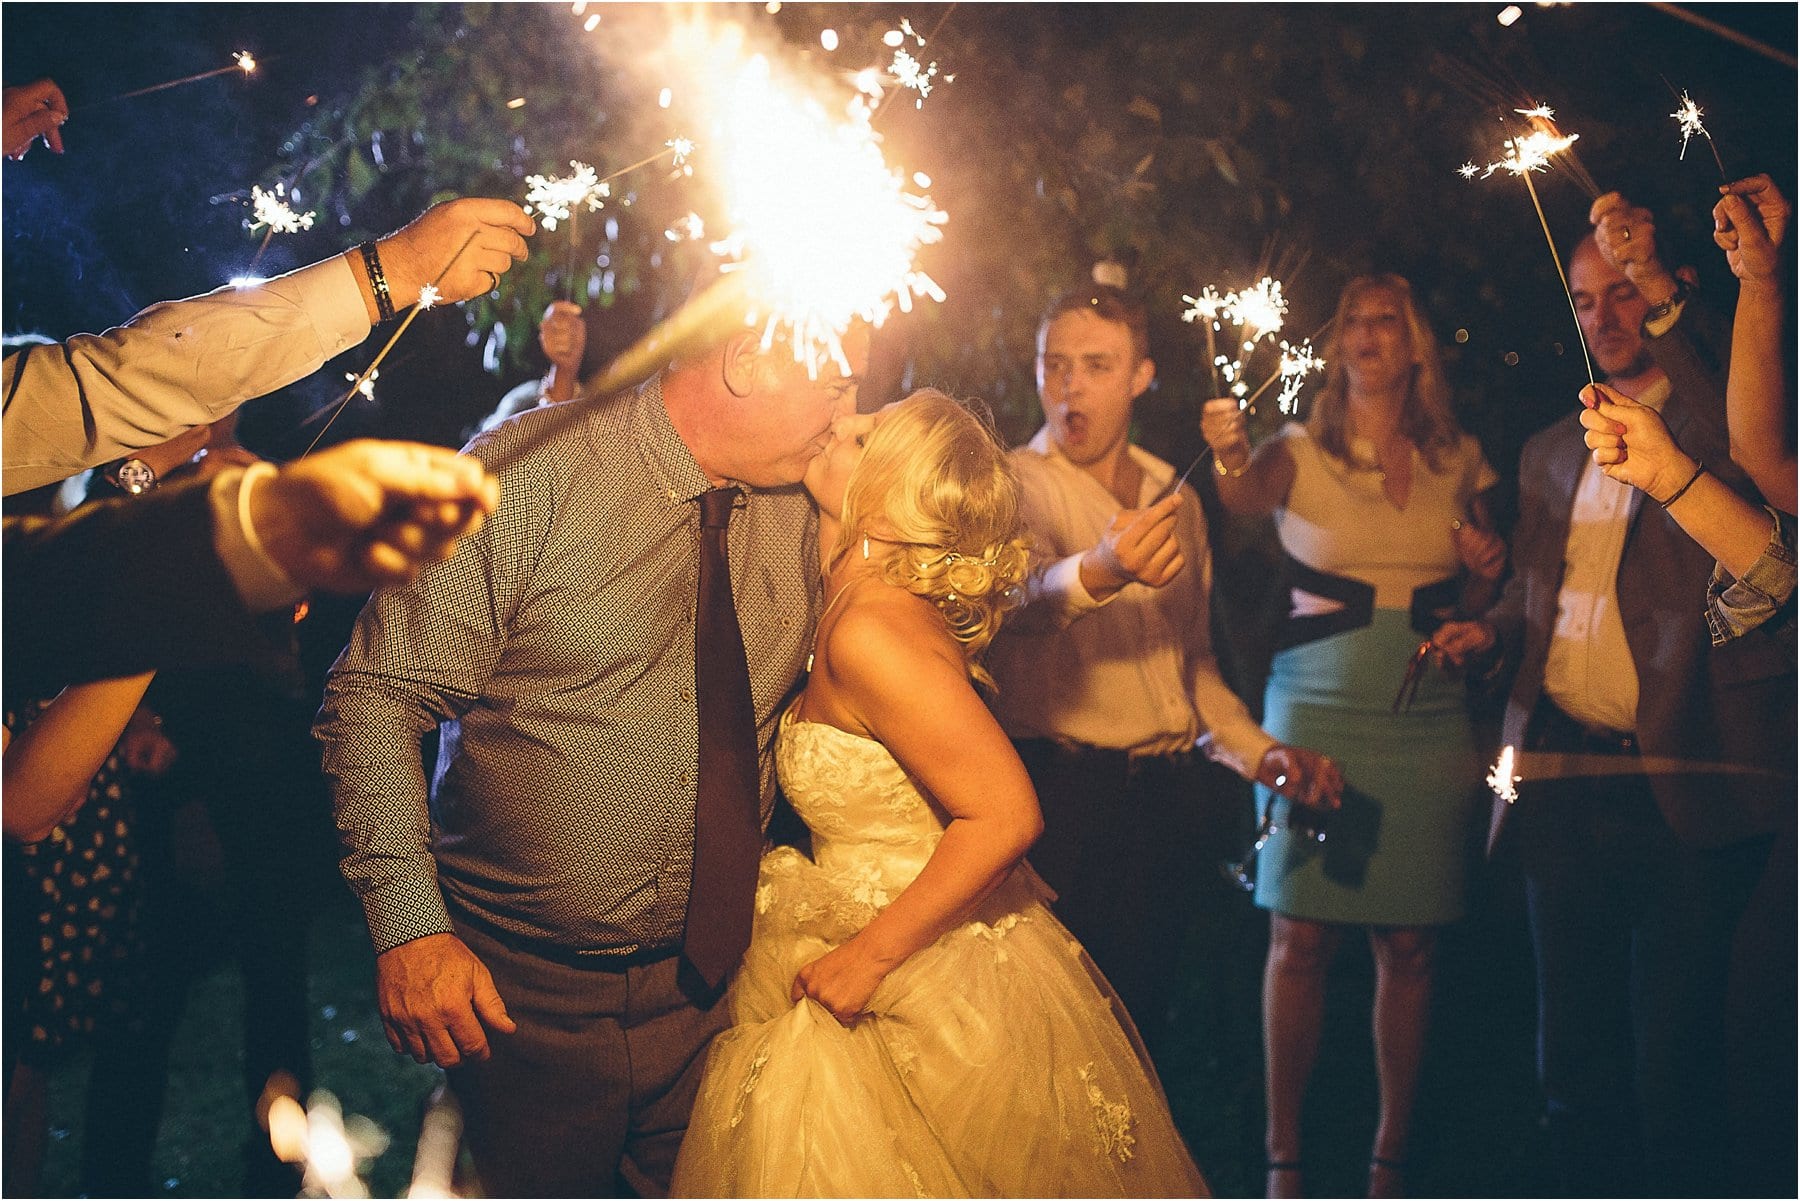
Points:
x=935 y=479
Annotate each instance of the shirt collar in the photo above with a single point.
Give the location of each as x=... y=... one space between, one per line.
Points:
x=668 y=457
x=1157 y=473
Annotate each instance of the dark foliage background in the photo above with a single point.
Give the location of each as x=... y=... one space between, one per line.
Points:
x=1195 y=143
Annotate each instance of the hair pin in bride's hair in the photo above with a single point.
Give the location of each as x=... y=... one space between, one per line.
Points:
x=954 y=557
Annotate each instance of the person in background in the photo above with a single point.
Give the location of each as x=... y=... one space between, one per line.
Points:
x=1377 y=502
x=562 y=336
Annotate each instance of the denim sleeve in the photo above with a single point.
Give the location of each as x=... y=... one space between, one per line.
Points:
x=1735 y=607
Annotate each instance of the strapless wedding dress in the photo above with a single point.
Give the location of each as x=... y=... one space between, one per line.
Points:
x=993 y=1063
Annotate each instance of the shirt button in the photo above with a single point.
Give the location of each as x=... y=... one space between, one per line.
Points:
x=687 y=694
x=682 y=778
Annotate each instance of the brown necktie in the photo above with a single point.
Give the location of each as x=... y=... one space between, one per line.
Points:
x=728 y=804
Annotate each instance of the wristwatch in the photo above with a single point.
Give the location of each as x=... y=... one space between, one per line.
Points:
x=134 y=476
x=1663 y=308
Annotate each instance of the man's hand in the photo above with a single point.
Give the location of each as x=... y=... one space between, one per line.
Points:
x=1302 y=775
x=31 y=111
x=1456 y=642
x=1483 y=552
x=1139 y=546
x=483 y=237
x=369 y=513
x=1626 y=237
x=1749 y=224
x=438 y=1001
x=1631 y=444
x=563 y=335
x=1223 y=426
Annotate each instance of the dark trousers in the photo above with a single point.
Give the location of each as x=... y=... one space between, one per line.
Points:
x=1633 y=935
x=590 y=1097
x=1128 y=848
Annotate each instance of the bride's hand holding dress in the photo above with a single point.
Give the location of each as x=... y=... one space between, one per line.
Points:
x=879 y=654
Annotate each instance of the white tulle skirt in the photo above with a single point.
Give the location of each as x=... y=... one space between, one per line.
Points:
x=994 y=1063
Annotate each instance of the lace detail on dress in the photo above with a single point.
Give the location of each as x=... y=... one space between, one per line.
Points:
x=750 y=1082
x=996 y=932
x=1112 y=1120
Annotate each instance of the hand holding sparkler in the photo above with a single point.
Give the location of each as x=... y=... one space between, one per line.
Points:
x=494 y=232
x=1750 y=223
x=1139 y=547
x=369 y=513
x=1626 y=237
x=31 y=111
x=1226 y=429
x=1631 y=444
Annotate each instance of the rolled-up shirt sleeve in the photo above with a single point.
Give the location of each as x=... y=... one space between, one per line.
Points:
x=182 y=363
x=1735 y=607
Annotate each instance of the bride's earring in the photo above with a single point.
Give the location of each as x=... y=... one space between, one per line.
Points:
x=865 y=546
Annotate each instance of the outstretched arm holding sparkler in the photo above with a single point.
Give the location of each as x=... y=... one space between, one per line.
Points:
x=189 y=362
x=1750 y=223
x=1250 y=484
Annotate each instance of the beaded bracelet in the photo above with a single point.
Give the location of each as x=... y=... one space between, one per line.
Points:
x=384 y=303
x=1699 y=470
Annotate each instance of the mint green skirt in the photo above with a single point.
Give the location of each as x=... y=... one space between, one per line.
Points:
x=1397 y=853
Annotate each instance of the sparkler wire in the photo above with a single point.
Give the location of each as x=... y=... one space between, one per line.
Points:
x=1560 y=274
x=369 y=371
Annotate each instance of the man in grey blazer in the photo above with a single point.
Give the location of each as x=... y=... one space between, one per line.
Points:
x=1638 y=826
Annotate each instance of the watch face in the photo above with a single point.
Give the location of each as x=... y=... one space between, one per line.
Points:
x=135 y=476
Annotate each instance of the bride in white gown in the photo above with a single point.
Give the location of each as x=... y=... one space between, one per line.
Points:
x=910 y=1020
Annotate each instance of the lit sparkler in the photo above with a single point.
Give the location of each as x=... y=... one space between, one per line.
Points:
x=1297 y=362
x=332 y=1149
x=242 y=61
x=364 y=384
x=1257 y=311
x=827 y=230
x=272 y=210
x=557 y=197
x=1523 y=155
x=428 y=296
x=1502 y=780
x=1687 y=120
x=689 y=229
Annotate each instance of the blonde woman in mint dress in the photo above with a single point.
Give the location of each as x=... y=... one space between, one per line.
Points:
x=1375 y=502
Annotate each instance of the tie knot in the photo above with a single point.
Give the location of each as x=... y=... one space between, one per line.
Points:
x=715 y=507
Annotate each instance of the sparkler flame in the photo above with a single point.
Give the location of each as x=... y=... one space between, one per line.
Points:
x=271 y=209
x=1207 y=306
x=1297 y=362
x=826 y=230
x=1259 y=309
x=246 y=61
x=555 y=197
x=1527 y=152
x=429 y=296
x=1502 y=780
x=1687 y=118
x=365 y=386
x=682 y=147
x=331 y=1148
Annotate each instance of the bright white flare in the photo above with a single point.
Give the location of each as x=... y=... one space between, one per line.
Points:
x=1502 y=780
x=365 y=386
x=246 y=61
x=1527 y=152
x=827 y=231
x=271 y=209
x=429 y=296
x=1687 y=117
x=553 y=198
x=1297 y=362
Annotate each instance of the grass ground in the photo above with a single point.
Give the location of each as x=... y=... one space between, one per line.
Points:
x=1476 y=1132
